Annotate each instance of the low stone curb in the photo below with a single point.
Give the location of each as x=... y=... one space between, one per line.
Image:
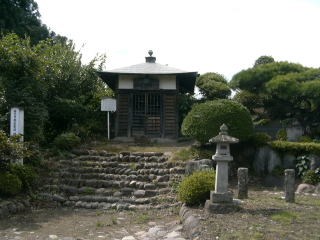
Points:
x=190 y=222
x=13 y=206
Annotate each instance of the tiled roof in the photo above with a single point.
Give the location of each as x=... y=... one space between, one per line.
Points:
x=147 y=68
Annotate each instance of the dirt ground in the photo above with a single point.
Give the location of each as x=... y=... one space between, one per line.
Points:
x=84 y=224
x=265 y=215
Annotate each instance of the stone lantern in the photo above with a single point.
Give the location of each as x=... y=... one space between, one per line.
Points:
x=221 y=199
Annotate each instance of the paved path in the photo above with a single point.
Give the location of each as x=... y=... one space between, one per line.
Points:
x=69 y=224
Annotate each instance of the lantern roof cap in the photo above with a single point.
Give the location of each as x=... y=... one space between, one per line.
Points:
x=223 y=136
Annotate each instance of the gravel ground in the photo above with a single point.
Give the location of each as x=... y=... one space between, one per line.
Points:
x=264 y=215
x=81 y=224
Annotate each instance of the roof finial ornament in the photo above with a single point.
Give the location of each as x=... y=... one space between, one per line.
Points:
x=150 y=59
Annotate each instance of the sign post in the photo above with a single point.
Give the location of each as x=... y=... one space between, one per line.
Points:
x=17 y=122
x=108 y=105
x=17 y=127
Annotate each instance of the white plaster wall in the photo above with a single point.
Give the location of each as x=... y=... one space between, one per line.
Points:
x=125 y=82
x=167 y=82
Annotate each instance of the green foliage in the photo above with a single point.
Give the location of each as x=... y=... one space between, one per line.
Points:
x=10 y=184
x=296 y=148
x=66 y=141
x=11 y=149
x=283 y=86
x=185 y=103
x=253 y=79
x=19 y=68
x=249 y=100
x=184 y=154
x=195 y=189
x=213 y=86
x=26 y=174
x=204 y=120
x=193 y=152
x=259 y=139
x=282 y=134
x=263 y=60
x=302 y=165
x=311 y=177
x=23 y=18
x=52 y=85
x=282 y=89
x=305 y=139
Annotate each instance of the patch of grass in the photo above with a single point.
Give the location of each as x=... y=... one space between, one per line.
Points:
x=184 y=154
x=88 y=191
x=284 y=217
x=99 y=213
x=114 y=220
x=142 y=218
x=245 y=235
x=133 y=166
x=99 y=224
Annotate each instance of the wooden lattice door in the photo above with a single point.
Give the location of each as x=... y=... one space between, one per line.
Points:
x=146 y=114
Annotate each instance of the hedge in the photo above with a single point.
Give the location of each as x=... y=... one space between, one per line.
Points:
x=296 y=147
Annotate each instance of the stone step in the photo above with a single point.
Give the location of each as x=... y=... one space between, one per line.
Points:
x=114 y=164
x=161 y=176
x=103 y=193
x=99 y=179
x=119 y=205
x=92 y=152
x=120 y=170
x=146 y=182
x=116 y=158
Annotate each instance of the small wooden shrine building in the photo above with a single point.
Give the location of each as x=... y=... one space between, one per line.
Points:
x=146 y=96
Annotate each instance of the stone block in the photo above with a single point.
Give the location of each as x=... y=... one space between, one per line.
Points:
x=289 y=183
x=305 y=188
x=150 y=193
x=220 y=208
x=139 y=193
x=149 y=186
x=226 y=197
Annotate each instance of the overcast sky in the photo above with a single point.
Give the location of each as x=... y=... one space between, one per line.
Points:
x=223 y=36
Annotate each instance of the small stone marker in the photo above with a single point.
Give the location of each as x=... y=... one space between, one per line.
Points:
x=289 y=182
x=242 y=183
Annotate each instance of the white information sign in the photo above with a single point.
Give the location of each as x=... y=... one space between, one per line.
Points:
x=16 y=121
x=108 y=104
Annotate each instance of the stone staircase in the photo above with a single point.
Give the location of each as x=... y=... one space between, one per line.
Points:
x=99 y=179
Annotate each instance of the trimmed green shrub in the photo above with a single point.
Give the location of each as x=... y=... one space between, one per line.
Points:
x=10 y=184
x=296 y=148
x=311 y=177
x=66 y=141
x=204 y=120
x=195 y=189
x=26 y=174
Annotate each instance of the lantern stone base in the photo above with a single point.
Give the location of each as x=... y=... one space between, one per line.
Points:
x=226 y=197
x=221 y=203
